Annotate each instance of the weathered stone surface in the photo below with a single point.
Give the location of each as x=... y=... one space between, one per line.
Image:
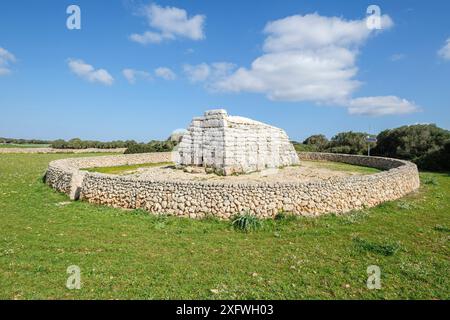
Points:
x=230 y=144
x=198 y=199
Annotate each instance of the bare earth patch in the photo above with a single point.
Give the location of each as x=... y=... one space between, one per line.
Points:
x=307 y=171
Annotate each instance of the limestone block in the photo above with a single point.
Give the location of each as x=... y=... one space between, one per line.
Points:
x=236 y=144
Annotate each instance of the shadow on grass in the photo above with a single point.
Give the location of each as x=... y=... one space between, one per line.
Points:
x=385 y=249
x=442 y=229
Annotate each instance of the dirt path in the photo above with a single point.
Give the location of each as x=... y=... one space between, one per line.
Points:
x=307 y=171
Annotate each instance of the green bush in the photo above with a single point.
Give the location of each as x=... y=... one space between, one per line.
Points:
x=58 y=144
x=426 y=145
x=437 y=160
x=319 y=141
x=152 y=146
x=138 y=148
x=246 y=222
x=348 y=142
x=300 y=147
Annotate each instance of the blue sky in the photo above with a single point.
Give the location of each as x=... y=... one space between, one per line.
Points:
x=305 y=66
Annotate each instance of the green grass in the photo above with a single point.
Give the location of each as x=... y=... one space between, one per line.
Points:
x=385 y=249
x=338 y=166
x=12 y=145
x=131 y=254
x=127 y=168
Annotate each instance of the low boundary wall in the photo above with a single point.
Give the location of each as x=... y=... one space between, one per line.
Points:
x=198 y=199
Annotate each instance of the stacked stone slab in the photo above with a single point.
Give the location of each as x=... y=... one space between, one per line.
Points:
x=231 y=144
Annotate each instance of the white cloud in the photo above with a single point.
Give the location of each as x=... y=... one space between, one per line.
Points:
x=147 y=37
x=381 y=106
x=222 y=69
x=89 y=73
x=132 y=75
x=293 y=76
x=202 y=72
x=309 y=58
x=168 y=24
x=165 y=73
x=444 y=52
x=306 y=58
x=197 y=73
x=313 y=31
x=4 y=71
x=6 y=58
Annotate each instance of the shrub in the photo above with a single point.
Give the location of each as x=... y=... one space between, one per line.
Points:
x=426 y=145
x=318 y=140
x=246 y=222
x=58 y=144
x=438 y=160
x=300 y=147
x=152 y=146
x=138 y=148
x=348 y=142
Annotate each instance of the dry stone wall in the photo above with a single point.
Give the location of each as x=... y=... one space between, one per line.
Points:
x=65 y=175
x=199 y=199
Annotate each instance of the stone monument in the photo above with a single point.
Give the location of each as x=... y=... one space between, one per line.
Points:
x=231 y=144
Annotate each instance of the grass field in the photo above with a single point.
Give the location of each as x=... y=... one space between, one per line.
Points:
x=130 y=254
x=342 y=167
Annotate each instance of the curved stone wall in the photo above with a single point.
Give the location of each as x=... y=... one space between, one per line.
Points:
x=198 y=199
x=65 y=175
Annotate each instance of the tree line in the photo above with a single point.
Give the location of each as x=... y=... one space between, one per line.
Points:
x=23 y=141
x=425 y=144
x=130 y=145
x=77 y=143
